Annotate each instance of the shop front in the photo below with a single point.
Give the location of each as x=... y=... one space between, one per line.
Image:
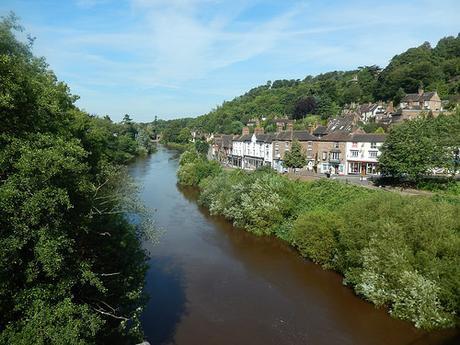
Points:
x=362 y=168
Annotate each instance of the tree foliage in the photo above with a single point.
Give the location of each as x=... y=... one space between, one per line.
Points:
x=417 y=147
x=295 y=157
x=71 y=265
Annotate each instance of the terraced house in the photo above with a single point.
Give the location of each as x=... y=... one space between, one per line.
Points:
x=362 y=153
x=251 y=151
x=338 y=152
x=282 y=143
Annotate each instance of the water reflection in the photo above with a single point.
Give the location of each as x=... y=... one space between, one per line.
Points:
x=167 y=305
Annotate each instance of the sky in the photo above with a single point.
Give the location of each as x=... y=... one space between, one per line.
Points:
x=182 y=58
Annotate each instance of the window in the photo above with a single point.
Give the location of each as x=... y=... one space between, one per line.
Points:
x=372 y=154
x=373 y=145
x=371 y=168
x=310 y=144
x=335 y=156
x=336 y=145
x=286 y=145
x=324 y=155
x=354 y=144
x=355 y=168
x=354 y=153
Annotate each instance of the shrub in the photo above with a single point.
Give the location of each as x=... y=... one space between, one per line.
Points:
x=315 y=235
x=418 y=301
x=193 y=170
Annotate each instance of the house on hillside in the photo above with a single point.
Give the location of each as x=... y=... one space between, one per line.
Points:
x=413 y=104
x=347 y=123
x=283 y=124
x=370 y=111
x=362 y=153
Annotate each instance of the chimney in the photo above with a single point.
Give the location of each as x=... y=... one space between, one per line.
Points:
x=420 y=90
x=245 y=131
x=259 y=130
x=390 y=108
x=289 y=127
x=279 y=127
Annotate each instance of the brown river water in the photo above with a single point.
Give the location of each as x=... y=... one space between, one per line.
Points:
x=210 y=283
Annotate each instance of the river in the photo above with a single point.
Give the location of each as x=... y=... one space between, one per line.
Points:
x=210 y=283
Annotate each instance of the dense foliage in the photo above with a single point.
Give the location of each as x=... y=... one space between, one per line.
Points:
x=419 y=147
x=71 y=265
x=396 y=251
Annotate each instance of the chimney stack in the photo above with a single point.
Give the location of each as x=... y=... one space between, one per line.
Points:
x=420 y=90
x=290 y=127
x=245 y=130
x=259 y=130
x=279 y=127
x=390 y=108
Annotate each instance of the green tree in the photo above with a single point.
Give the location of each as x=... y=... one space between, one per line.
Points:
x=71 y=266
x=416 y=147
x=202 y=147
x=295 y=158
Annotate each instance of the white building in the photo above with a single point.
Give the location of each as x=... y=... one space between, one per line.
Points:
x=257 y=151
x=251 y=151
x=362 y=153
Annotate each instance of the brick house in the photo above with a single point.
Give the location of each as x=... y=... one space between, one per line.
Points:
x=331 y=153
x=282 y=143
x=413 y=104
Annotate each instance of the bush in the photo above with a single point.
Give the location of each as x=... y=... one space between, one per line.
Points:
x=315 y=235
x=193 y=168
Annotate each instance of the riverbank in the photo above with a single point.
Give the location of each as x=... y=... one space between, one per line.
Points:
x=396 y=251
x=207 y=279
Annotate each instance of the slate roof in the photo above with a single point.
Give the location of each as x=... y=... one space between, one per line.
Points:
x=368 y=137
x=415 y=97
x=266 y=137
x=337 y=136
x=244 y=137
x=342 y=124
x=227 y=140
x=320 y=130
x=303 y=136
x=428 y=95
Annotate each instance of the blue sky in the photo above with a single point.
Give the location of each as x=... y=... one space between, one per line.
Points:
x=176 y=58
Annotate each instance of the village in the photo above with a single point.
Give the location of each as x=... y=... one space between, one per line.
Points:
x=339 y=148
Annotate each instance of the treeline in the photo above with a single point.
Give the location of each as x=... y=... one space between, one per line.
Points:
x=324 y=95
x=398 y=252
x=71 y=265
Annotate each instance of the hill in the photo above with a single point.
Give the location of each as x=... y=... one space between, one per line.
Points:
x=324 y=95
